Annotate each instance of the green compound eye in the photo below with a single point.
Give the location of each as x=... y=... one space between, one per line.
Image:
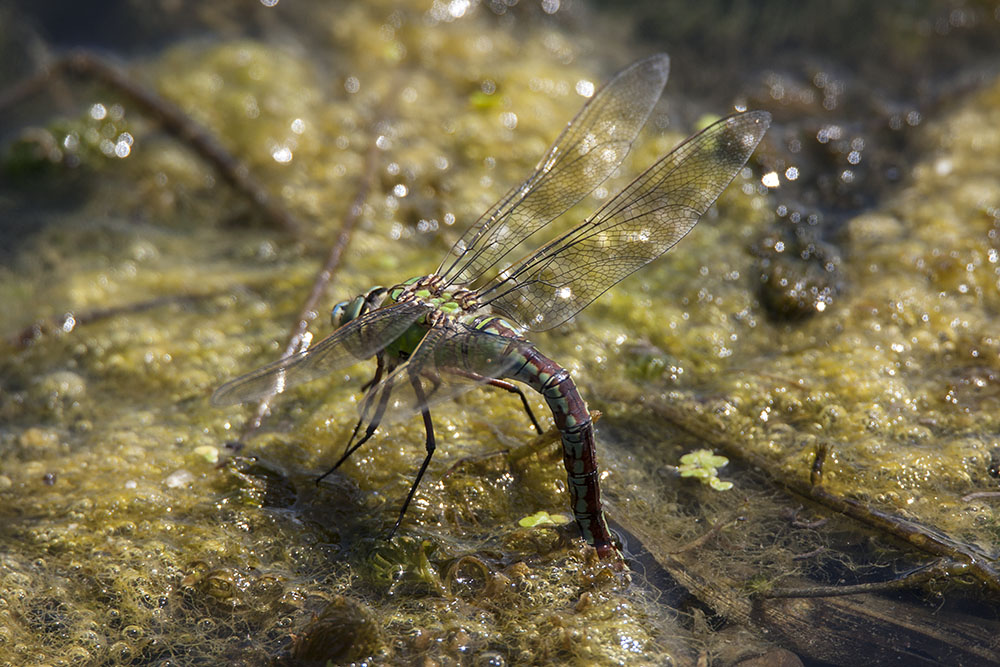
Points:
x=346 y=311
x=337 y=314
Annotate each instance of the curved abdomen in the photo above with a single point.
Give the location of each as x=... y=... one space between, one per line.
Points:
x=573 y=420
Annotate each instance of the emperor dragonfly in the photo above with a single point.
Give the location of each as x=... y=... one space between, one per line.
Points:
x=464 y=324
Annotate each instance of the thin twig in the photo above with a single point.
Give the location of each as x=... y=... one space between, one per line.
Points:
x=69 y=321
x=939 y=569
x=975 y=495
x=309 y=310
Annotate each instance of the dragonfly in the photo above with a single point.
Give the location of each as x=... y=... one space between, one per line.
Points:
x=465 y=325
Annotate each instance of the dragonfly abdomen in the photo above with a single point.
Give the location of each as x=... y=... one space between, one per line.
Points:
x=576 y=427
x=569 y=411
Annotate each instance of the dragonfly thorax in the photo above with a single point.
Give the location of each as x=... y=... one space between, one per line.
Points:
x=429 y=289
x=433 y=291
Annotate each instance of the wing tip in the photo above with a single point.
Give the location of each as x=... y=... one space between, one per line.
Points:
x=751 y=125
x=219 y=397
x=760 y=117
x=659 y=63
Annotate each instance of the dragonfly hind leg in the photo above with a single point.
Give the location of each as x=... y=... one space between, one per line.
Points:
x=506 y=386
x=429 y=445
x=514 y=389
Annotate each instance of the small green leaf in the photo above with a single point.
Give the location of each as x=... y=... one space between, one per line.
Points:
x=543 y=518
x=208 y=452
x=703 y=464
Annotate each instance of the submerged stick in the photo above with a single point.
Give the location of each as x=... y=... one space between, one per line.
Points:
x=833 y=629
x=69 y=321
x=974 y=562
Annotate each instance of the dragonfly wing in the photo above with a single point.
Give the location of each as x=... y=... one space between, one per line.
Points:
x=589 y=149
x=638 y=225
x=448 y=362
x=357 y=340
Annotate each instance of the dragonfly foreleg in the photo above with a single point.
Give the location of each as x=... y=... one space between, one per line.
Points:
x=373 y=424
x=429 y=445
x=379 y=368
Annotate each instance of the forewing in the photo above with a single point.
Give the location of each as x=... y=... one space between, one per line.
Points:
x=590 y=148
x=638 y=225
x=357 y=340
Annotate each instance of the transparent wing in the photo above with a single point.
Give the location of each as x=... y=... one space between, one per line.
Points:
x=449 y=361
x=590 y=148
x=638 y=225
x=357 y=340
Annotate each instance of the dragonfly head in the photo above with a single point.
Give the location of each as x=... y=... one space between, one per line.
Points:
x=345 y=311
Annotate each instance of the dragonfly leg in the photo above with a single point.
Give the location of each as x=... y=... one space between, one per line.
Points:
x=429 y=445
x=514 y=389
x=435 y=381
x=376 y=419
x=506 y=386
x=379 y=368
x=366 y=403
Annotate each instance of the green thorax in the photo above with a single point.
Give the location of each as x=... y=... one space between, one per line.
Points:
x=450 y=305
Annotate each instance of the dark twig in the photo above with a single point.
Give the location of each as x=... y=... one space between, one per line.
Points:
x=975 y=495
x=68 y=321
x=170 y=117
x=809 y=554
x=938 y=569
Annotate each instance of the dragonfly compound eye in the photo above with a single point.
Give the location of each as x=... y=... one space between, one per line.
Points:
x=345 y=311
